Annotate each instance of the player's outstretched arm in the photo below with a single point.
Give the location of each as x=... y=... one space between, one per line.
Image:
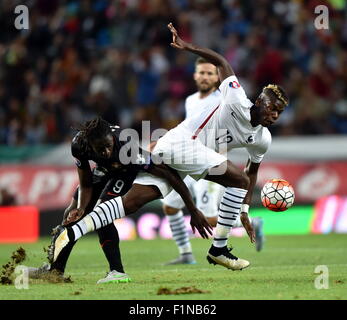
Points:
x=223 y=66
x=198 y=220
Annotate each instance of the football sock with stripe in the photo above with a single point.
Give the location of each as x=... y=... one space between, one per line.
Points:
x=229 y=210
x=102 y=215
x=180 y=232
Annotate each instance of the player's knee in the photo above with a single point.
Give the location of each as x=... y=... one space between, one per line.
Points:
x=169 y=210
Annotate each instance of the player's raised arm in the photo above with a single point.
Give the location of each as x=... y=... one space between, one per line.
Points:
x=223 y=66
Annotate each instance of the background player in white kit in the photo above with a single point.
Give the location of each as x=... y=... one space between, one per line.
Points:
x=235 y=123
x=207 y=194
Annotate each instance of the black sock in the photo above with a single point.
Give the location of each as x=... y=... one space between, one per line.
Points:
x=109 y=241
x=70 y=234
x=62 y=258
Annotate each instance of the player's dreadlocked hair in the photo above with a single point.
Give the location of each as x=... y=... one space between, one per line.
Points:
x=91 y=130
x=279 y=92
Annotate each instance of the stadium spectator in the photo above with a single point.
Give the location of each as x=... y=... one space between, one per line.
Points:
x=62 y=69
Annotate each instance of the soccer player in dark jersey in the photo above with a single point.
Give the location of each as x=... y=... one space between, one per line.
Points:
x=100 y=142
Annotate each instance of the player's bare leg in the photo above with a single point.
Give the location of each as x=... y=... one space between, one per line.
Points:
x=236 y=183
x=138 y=196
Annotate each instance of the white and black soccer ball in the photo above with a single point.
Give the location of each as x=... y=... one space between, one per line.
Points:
x=277 y=195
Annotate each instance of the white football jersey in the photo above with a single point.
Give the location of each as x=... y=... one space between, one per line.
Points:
x=196 y=106
x=227 y=123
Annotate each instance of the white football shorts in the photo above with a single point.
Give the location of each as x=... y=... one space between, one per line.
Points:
x=183 y=154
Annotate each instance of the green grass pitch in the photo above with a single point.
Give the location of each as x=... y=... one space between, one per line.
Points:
x=285 y=269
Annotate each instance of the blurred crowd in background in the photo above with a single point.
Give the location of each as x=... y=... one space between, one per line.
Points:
x=112 y=58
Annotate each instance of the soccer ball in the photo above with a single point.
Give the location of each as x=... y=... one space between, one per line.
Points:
x=277 y=195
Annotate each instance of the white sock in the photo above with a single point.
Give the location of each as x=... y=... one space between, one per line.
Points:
x=229 y=210
x=102 y=215
x=180 y=232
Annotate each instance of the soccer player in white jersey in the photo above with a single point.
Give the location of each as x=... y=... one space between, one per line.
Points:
x=207 y=194
x=243 y=124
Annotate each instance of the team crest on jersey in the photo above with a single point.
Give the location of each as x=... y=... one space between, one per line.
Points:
x=234 y=84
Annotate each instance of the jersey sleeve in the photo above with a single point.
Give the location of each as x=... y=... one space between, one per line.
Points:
x=232 y=92
x=257 y=151
x=80 y=160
